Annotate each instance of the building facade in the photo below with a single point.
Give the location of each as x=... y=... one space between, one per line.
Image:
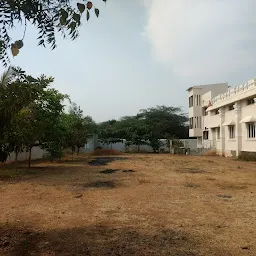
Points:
x=224 y=118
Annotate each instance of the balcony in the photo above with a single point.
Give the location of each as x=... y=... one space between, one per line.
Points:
x=195 y=132
x=212 y=121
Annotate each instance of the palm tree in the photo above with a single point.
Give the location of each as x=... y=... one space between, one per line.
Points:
x=7 y=77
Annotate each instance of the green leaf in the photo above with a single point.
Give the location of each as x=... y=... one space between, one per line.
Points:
x=63 y=17
x=97 y=12
x=19 y=44
x=64 y=13
x=88 y=15
x=63 y=21
x=72 y=26
x=81 y=7
x=76 y=17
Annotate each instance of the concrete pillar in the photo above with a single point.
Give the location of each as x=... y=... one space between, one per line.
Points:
x=222 y=131
x=238 y=128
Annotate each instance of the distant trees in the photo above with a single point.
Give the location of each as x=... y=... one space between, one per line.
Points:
x=164 y=123
x=147 y=127
x=32 y=114
x=108 y=133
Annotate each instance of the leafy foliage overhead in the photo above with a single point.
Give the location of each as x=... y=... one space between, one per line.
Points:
x=48 y=16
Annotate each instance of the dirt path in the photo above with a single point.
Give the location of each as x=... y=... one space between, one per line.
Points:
x=129 y=205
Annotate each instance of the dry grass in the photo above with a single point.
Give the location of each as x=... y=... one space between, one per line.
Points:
x=211 y=152
x=105 y=152
x=139 y=205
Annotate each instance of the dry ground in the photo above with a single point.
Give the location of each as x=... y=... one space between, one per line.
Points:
x=169 y=205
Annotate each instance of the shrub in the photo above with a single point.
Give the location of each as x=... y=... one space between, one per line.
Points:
x=247 y=156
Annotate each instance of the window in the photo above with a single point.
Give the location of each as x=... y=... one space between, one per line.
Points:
x=205 y=113
x=231 y=130
x=197 y=122
x=218 y=133
x=251 y=131
x=191 y=123
x=231 y=107
x=205 y=135
x=198 y=100
x=250 y=101
x=216 y=112
x=200 y=122
x=191 y=101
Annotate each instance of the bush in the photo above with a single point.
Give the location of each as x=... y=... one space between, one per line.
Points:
x=247 y=156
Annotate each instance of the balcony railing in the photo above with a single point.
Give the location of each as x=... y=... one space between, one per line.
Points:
x=234 y=91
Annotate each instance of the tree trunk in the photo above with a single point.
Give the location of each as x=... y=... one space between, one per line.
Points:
x=60 y=154
x=72 y=153
x=138 y=148
x=29 y=157
x=78 y=149
x=16 y=155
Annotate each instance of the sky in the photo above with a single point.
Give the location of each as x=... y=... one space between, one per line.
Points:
x=143 y=53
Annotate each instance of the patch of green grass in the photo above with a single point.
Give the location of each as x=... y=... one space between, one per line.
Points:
x=247 y=156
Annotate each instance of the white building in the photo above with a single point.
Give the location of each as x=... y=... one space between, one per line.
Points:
x=224 y=118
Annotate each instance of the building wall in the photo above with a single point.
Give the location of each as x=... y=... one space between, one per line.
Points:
x=238 y=98
x=37 y=153
x=205 y=93
x=247 y=144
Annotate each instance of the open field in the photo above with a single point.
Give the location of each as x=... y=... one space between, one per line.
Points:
x=133 y=205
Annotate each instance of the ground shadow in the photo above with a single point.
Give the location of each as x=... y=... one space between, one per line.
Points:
x=128 y=171
x=15 y=174
x=97 y=184
x=111 y=171
x=96 y=240
x=100 y=161
x=191 y=170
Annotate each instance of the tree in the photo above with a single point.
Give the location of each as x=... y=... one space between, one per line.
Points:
x=29 y=112
x=48 y=16
x=134 y=130
x=17 y=91
x=79 y=128
x=55 y=140
x=163 y=123
x=146 y=128
x=36 y=122
x=108 y=133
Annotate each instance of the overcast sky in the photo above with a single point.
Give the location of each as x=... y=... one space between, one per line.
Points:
x=143 y=53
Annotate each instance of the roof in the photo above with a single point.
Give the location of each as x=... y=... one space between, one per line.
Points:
x=248 y=119
x=192 y=87
x=205 y=85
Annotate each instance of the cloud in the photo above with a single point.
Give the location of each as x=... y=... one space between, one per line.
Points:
x=202 y=39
